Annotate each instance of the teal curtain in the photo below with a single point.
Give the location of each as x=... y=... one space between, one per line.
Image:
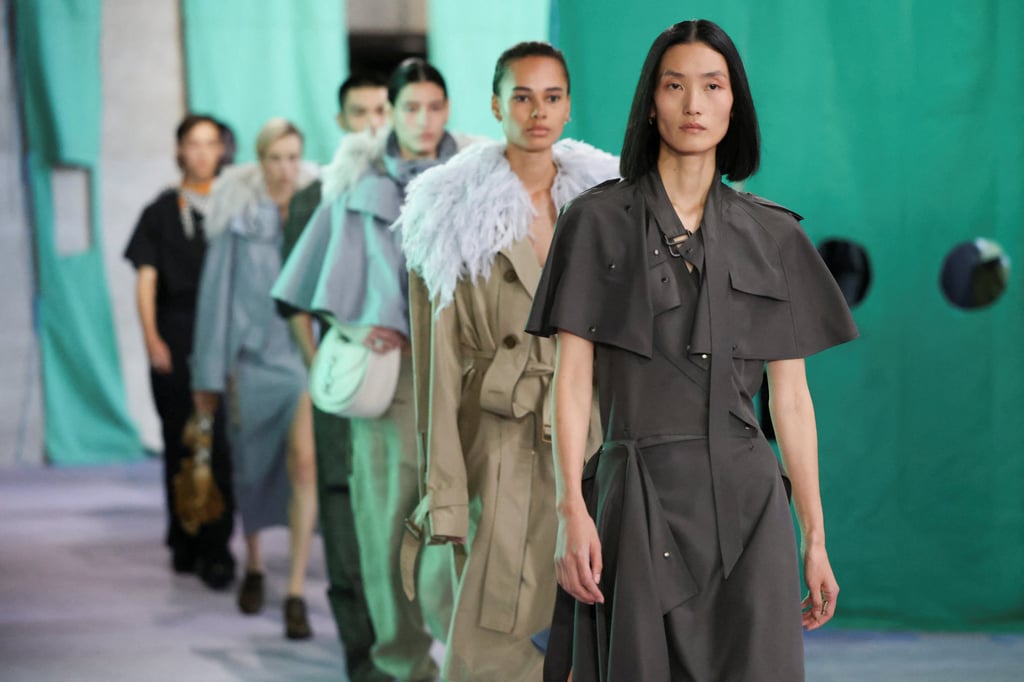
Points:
x=464 y=41
x=896 y=125
x=247 y=61
x=58 y=65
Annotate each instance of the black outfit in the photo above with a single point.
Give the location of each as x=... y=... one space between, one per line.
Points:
x=700 y=570
x=160 y=241
x=332 y=437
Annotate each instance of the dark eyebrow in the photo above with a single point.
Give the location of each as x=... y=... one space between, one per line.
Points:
x=523 y=88
x=675 y=74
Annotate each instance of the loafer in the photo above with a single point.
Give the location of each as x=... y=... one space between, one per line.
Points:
x=216 y=572
x=250 y=596
x=296 y=623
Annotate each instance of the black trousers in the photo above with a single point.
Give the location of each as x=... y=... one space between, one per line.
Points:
x=172 y=394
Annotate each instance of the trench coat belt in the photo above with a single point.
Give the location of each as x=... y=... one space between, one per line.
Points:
x=648 y=572
x=503 y=372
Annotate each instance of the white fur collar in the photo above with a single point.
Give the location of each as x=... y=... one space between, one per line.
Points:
x=357 y=153
x=458 y=216
x=239 y=186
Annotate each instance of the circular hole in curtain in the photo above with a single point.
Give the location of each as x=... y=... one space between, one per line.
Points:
x=975 y=274
x=849 y=264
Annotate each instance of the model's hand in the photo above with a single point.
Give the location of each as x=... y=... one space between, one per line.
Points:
x=820 y=604
x=382 y=340
x=159 y=355
x=578 y=555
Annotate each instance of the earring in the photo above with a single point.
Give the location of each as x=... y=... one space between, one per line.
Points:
x=650 y=120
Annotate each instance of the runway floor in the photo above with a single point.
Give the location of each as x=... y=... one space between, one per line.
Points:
x=86 y=593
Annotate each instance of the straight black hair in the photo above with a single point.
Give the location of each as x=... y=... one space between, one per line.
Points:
x=739 y=153
x=359 y=80
x=414 y=70
x=533 y=48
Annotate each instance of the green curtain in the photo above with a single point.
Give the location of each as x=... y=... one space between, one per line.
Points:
x=896 y=125
x=58 y=65
x=464 y=41
x=247 y=61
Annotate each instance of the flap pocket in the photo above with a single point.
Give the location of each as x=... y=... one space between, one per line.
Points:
x=767 y=284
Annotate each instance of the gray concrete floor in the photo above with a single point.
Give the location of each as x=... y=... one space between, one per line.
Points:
x=86 y=593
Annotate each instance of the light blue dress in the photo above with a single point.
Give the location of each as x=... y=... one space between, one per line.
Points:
x=244 y=350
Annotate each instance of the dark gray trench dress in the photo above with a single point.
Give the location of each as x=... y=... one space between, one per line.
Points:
x=700 y=570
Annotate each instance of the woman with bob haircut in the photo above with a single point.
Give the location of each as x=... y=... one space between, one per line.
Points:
x=244 y=353
x=670 y=292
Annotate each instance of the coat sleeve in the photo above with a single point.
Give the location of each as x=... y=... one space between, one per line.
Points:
x=211 y=348
x=437 y=369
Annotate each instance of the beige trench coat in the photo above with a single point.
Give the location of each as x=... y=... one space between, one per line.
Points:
x=483 y=419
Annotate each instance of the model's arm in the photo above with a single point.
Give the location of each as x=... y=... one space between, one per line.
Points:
x=438 y=367
x=145 y=298
x=301 y=325
x=578 y=549
x=793 y=416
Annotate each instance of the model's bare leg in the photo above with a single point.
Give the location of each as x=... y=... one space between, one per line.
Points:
x=253 y=563
x=302 y=509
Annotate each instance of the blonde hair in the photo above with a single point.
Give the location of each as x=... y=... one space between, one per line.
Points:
x=272 y=131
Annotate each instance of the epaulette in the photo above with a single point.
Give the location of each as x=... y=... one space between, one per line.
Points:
x=770 y=204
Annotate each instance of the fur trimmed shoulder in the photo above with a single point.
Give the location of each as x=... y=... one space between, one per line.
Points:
x=459 y=215
x=240 y=186
x=356 y=153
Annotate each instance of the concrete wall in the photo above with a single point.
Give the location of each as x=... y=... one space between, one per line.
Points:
x=143 y=101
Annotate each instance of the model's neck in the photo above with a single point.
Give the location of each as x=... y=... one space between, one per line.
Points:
x=536 y=170
x=197 y=185
x=687 y=178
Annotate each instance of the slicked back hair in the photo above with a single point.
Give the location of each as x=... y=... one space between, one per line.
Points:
x=533 y=48
x=414 y=70
x=739 y=153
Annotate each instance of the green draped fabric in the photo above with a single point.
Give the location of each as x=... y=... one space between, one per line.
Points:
x=58 y=63
x=896 y=125
x=464 y=42
x=247 y=62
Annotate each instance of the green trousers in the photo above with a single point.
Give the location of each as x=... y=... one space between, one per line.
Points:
x=385 y=491
x=341 y=547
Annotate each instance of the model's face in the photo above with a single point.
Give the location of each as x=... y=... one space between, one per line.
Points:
x=421 y=113
x=365 y=108
x=200 y=151
x=281 y=162
x=532 y=103
x=692 y=100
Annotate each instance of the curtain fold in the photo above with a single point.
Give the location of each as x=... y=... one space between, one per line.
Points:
x=58 y=66
x=246 y=62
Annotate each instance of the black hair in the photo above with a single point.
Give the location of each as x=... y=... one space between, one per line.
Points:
x=531 y=48
x=191 y=121
x=739 y=153
x=364 y=79
x=414 y=70
x=227 y=137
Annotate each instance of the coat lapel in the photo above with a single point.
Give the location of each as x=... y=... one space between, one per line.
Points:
x=520 y=254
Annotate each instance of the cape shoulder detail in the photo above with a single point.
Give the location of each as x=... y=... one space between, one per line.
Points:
x=459 y=215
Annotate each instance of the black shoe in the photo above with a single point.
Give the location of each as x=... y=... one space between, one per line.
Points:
x=250 y=596
x=183 y=559
x=217 y=572
x=296 y=624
